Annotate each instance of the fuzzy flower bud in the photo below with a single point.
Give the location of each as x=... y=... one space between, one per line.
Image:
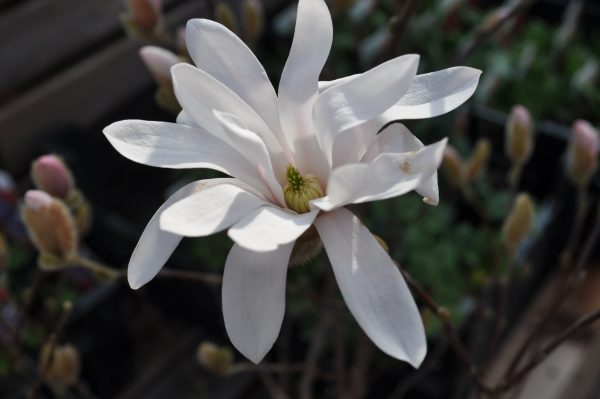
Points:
x=306 y=248
x=225 y=16
x=159 y=62
x=452 y=165
x=60 y=367
x=519 y=221
x=50 y=226
x=582 y=155
x=217 y=359
x=146 y=13
x=519 y=135
x=300 y=190
x=253 y=20
x=51 y=174
x=478 y=162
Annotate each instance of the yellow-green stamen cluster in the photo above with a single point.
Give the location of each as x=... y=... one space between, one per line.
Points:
x=300 y=189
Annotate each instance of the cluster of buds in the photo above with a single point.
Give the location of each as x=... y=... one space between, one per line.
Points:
x=519 y=221
x=252 y=19
x=60 y=366
x=582 y=154
x=51 y=175
x=461 y=173
x=215 y=358
x=519 y=141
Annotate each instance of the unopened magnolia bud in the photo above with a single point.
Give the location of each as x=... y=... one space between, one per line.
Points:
x=452 y=165
x=582 y=155
x=51 y=174
x=225 y=16
x=81 y=210
x=306 y=247
x=519 y=221
x=519 y=135
x=253 y=20
x=217 y=359
x=3 y=252
x=478 y=161
x=60 y=368
x=146 y=13
x=159 y=62
x=50 y=226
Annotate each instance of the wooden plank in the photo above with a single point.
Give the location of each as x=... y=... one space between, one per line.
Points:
x=39 y=36
x=79 y=95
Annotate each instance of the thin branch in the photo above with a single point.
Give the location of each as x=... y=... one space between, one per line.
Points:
x=310 y=367
x=573 y=278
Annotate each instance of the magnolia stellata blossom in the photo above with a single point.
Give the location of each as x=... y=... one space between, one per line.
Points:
x=295 y=158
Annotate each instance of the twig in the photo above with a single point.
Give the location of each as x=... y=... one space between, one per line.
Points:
x=310 y=368
x=486 y=33
x=339 y=352
x=398 y=24
x=274 y=391
x=573 y=278
x=358 y=372
x=51 y=345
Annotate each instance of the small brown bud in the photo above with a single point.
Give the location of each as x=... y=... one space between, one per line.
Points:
x=225 y=16
x=217 y=359
x=519 y=135
x=146 y=13
x=51 y=174
x=519 y=221
x=582 y=155
x=478 y=161
x=60 y=369
x=50 y=225
x=253 y=20
x=452 y=165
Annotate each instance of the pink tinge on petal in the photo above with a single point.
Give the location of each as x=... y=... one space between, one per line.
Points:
x=36 y=200
x=585 y=136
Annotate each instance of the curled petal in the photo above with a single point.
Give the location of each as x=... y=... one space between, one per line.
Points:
x=387 y=176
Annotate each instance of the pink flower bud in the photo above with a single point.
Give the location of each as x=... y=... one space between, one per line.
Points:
x=582 y=156
x=159 y=62
x=519 y=135
x=50 y=225
x=51 y=175
x=145 y=12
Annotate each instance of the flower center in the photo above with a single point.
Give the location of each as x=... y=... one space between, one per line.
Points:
x=300 y=189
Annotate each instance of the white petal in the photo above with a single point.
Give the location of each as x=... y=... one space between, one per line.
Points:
x=435 y=93
x=396 y=138
x=269 y=227
x=155 y=246
x=362 y=98
x=350 y=146
x=200 y=94
x=387 y=176
x=429 y=95
x=220 y=53
x=298 y=88
x=170 y=145
x=183 y=118
x=209 y=211
x=373 y=287
x=254 y=150
x=253 y=297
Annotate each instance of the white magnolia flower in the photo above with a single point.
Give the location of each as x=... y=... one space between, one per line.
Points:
x=296 y=159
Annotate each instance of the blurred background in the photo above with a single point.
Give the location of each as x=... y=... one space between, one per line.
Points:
x=68 y=68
